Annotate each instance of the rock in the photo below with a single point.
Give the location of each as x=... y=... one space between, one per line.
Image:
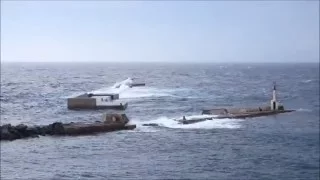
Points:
x=32 y=131
x=21 y=127
x=21 y=130
x=54 y=128
x=46 y=129
x=57 y=128
x=5 y=127
x=5 y=132
x=34 y=136
x=41 y=130
x=11 y=133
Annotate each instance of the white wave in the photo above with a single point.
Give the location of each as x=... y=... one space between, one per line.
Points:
x=191 y=117
x=141 y=128
x=141 y=92
x=304 y=110
x=74 y=94
x=117 y=88
x=307 y=81
x=126 y=83
x=125 y=92
x=208 y=124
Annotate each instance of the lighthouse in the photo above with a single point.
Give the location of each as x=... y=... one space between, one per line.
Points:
x=274 y=104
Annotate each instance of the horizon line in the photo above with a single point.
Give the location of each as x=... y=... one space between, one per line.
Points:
x=173 y=62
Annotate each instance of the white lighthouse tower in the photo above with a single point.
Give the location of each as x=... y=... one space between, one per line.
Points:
x=274 y=103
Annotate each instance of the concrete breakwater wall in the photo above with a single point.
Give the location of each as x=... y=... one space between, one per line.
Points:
x=103 y=100
x=137 y=84
x=244 y=112
x=110 y=122
x=96 y=101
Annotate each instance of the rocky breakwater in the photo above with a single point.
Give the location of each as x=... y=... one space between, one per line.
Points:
x=110 y=122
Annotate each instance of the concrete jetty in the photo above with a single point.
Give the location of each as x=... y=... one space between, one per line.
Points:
x=96 y=101
x=110 y=122
x=101 y=100
x=137 y=84
x=193 y=120
x=241 y=113
x=234 y=113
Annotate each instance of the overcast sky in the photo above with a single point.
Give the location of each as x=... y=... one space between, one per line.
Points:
x=163 y=31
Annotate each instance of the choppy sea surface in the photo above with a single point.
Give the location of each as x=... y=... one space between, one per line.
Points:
x=284 y=146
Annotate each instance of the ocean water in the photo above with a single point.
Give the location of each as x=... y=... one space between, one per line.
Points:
x=277 y=147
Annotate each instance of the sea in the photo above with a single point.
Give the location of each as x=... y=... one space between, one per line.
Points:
x=277 y=147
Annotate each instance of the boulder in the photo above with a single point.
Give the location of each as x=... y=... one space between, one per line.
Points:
x=57 y=128
x=34 y=136
x=21 y=127
x=32 y=131
x=9 y=132
x=5 y=132
x=53 y=129
x=47 y=129
x=21 y=130
x=41 y=130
